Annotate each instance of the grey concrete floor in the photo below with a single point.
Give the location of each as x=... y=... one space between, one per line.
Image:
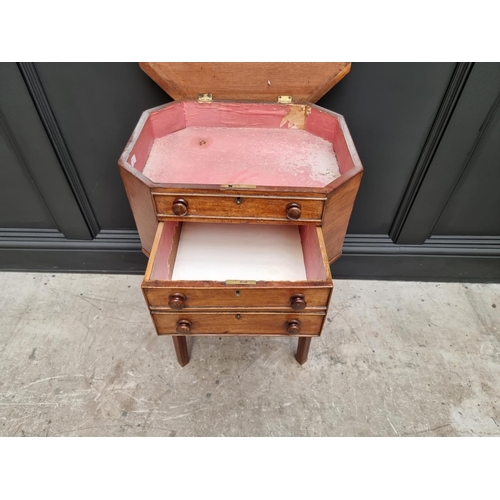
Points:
x=79 y=357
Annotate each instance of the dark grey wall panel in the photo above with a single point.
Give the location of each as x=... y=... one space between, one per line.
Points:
x=20 y=204
x=389 y=109
x=97 y=106
x=474 y=208
x=401 y=228
x=466 y=149
x=426 y=134
x=34 y=192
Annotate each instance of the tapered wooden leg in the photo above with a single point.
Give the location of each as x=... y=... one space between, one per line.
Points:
x=303 y=349
x=181 y=350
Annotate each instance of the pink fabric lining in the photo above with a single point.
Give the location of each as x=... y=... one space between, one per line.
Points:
x=234 y=114
x=313 y=260
x=328 y=127
x=161 y=269
x=142 y=147
x=168 y=120
x=241 y=143
x=257 y=156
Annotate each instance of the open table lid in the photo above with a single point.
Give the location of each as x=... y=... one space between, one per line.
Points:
x=253 y=81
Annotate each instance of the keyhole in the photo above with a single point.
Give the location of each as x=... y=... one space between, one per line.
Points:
x=238 y=316
x=238 y=201
x=238 y=293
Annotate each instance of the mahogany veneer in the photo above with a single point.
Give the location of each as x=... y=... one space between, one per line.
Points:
x=249 y=161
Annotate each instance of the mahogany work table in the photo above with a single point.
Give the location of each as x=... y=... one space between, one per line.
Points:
x=241 y=190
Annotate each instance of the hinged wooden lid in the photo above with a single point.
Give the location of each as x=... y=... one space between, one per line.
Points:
x=247 y=81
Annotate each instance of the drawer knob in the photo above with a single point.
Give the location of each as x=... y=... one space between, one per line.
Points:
x=298 y=302
x=180 y=207
x=183 y=326
x=293 y=327
x=177 y=301
x=293 y=211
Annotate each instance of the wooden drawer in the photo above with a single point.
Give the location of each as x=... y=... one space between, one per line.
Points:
x=233 y=207
x=259 y=296
x=238 y=323
x=164 y=292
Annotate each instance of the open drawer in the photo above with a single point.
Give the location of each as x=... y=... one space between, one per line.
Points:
x=196 y=267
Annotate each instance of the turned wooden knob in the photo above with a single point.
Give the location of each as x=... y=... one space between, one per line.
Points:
x=293 y=327
x=298 y=302
x=176 y=301
x=293 y=211
x=183 y=326
x=180 y=206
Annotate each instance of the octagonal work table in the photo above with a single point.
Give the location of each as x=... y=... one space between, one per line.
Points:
x=241 y=190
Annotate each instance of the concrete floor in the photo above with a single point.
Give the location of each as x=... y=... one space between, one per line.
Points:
x=79 y=357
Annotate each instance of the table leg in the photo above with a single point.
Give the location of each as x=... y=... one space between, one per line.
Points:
x=181 y=350
x=303 y=349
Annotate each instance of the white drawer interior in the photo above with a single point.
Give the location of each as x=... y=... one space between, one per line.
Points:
x=220 y=252
x=247 y=252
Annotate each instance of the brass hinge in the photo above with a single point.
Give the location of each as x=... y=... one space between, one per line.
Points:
x=204 y=97
x=285 y=99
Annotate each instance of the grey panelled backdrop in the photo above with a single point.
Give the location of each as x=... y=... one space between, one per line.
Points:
x=428 y=135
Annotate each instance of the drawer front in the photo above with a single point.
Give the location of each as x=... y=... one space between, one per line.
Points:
x=185 y=298
x=238 y=323
x=237 y=207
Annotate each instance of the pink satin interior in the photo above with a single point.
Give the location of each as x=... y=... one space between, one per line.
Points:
x=161 y=269
x=257 y=156
x=168 y=120
x=240 y=143
x=233 y=114
x=142 y=147
x=327 y=127
x=313 y=260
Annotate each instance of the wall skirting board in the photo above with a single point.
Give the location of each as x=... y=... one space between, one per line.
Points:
x=445 y=258
x=49 y=251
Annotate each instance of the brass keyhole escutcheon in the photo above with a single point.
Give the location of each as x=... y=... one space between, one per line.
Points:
x=293 y=211
x=180 y=207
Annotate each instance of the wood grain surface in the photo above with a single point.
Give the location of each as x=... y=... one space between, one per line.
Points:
x=275 y=295
x=338 y=211
x=181 y=350
x=238 y=323
x=141 y=203
x=303 y=349
x=249 y=81
x=228 y=206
